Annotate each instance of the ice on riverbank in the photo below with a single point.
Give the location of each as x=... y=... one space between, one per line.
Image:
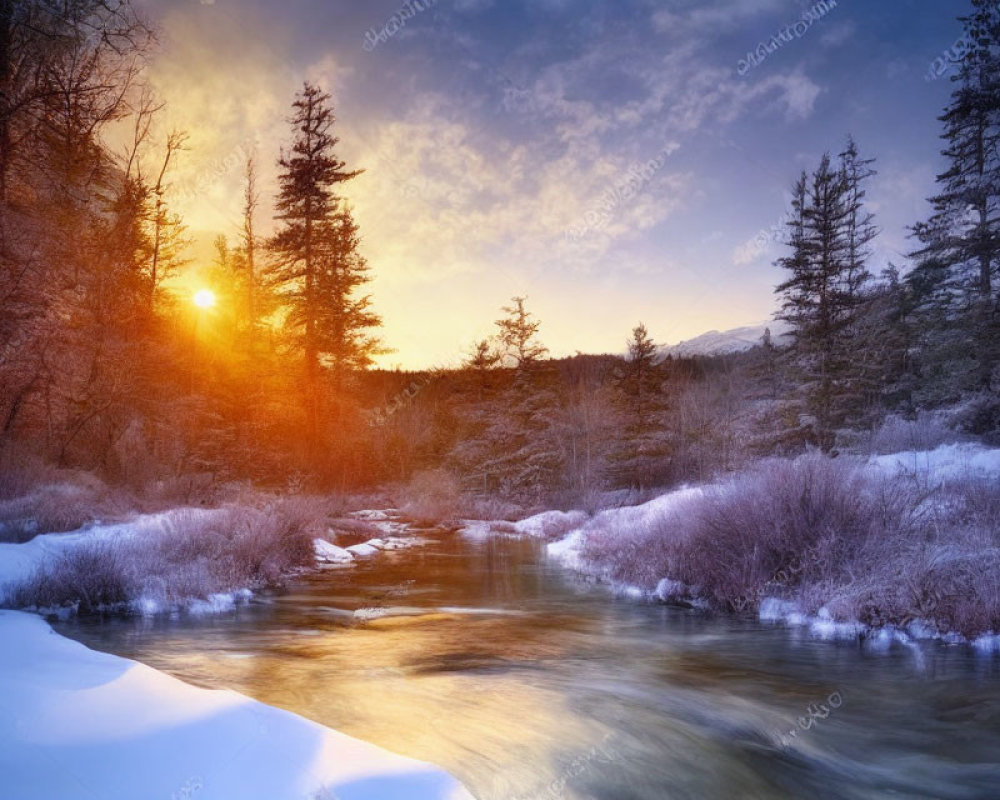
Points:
x=77 y=723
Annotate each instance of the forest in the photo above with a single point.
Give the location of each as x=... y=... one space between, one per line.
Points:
x=108 y=368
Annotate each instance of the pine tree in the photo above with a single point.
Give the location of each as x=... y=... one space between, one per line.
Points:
x=642 y=445
x=482 y=361
x=345 y=318
x=305 y=246
x=513 y=444
x=829 y=236
x=963 y=234
x=517 y=335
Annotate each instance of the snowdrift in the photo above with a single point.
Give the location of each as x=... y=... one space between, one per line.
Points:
x=78 y=723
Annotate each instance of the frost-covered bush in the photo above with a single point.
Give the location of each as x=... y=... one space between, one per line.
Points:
x=897 y=434
x=58 y=507
x=821 y=532
x=946 y=570
x=94 y=576
x=192 y=556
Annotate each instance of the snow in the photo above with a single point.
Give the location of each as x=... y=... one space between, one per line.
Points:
x=395 y=543
x=476 y=528
x=987 y=644
x=737 y=340
x=215 y=604
x=545 y=524
x=77 y=723
x=363 y=550
x=327 y=553
x=947 y=462
x=667 y=589
x=773 y=609
x=374 y=546
x=567 y=550
x=643 y=515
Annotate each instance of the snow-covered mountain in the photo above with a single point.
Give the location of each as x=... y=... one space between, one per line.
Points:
x=737 y=340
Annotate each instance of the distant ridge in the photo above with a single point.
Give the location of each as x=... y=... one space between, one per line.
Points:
x=736 y=340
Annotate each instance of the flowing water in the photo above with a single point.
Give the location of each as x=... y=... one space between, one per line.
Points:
x=484 y=658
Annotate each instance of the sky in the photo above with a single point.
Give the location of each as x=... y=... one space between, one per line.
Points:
x=615 y=161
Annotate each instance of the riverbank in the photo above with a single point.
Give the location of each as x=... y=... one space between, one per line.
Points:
x=890 y=549
x=192 y=560
x=78 y=723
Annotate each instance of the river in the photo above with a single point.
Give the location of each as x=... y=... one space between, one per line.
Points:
x=481 y=656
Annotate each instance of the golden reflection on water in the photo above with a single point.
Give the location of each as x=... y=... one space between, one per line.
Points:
x=432 y=686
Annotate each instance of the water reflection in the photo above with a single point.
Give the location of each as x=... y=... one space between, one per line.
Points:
x=525 y=684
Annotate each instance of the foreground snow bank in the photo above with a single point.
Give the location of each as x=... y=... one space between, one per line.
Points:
x=77 y=723
x=893 y=548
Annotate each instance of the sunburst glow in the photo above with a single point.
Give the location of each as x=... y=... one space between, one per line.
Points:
x=204 y=298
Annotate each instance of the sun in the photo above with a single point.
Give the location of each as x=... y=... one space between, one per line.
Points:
x=204 y=298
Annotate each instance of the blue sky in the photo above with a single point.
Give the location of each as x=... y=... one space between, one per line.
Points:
x=503 y=145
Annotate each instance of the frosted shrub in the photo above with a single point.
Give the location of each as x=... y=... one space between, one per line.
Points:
x=821 y=532
x=59 y=507
x=195 y=555
x=925 y=432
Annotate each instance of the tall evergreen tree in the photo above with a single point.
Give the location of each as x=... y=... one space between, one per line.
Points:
x=963 y=234
x=829 y=236
x=345 y=318
x=308 y=208
x=517 y=334
x=642 y=447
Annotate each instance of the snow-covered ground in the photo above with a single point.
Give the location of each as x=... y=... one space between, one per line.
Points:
x=947 y=462
x=75 y=723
